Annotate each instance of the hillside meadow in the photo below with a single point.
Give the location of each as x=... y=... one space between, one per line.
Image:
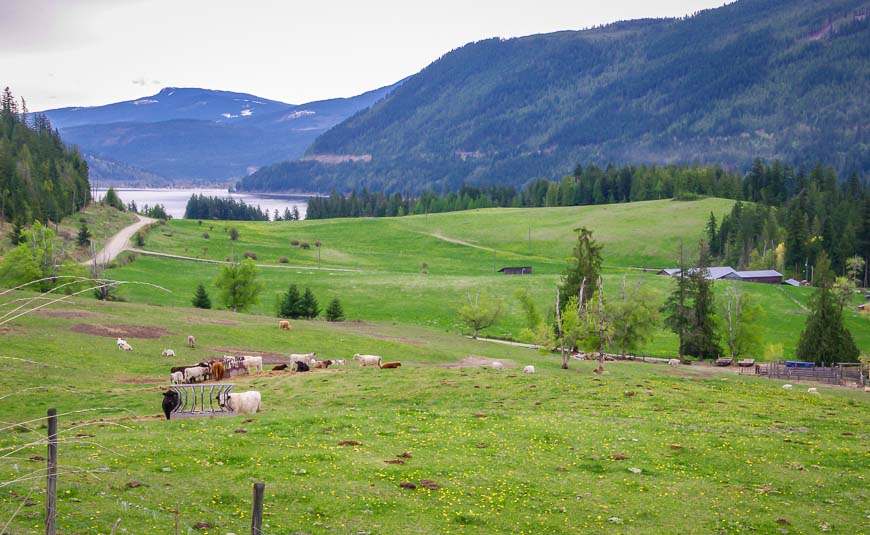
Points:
x=419 y=269
x=643 y=449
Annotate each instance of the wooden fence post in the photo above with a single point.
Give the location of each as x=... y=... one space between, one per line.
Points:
x=51 y=487
x=257 y=514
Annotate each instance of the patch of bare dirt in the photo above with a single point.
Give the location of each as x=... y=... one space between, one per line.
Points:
x=4 y=330
x=470 y=361
x=120 y=331
x=408 y=341
x=66 y=313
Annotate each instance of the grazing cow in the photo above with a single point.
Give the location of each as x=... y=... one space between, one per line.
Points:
x=322 y=364
x=300 y=366
x=497 y=365
x=280 y=367
x=673 y=362
x=171 y=400
x=368 y=360
x=176 y=378
x=812 y=390
x=244 y=402
x=787 y=387
x=217 y=370
x=168 y=353
x=338 y=362
x=388 y=365
x=284 y=325
x=191 y=341
x=529 y=369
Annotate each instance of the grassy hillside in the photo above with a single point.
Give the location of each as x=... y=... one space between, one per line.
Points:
x=510 y=453
x=754 y=78
x=375 y=265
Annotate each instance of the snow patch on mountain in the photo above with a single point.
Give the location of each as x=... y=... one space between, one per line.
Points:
x=145 y=101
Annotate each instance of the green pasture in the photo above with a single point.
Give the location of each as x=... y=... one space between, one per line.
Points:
x=637 y=234
x=644 y=449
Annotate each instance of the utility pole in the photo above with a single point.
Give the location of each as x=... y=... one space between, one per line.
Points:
x=51 y=487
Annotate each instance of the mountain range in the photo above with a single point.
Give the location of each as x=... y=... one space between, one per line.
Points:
x=184 y=134
x=773 y=79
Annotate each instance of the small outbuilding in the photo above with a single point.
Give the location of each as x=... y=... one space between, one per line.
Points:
x=522 y=270
x=792 y=282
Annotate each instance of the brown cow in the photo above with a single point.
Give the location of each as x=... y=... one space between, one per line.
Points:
x=217 y=370
x=284 y=325
x=391 y=365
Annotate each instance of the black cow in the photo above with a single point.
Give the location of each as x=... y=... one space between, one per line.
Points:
x=171 y=400
x=280 y=367
x=301 y=366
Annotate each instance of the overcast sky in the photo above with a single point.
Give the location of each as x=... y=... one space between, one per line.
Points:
x=59 y=53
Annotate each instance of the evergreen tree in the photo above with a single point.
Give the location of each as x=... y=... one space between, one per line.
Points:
x=84 y=237
x=111 y=199
x=585 y=264
x=201 y=298
x=825 y=339
x=334 y=312
x=712 y=235
x=677 y=309
x=702 y=340
x=310 y=308
x=15 y=234
x=290 y=304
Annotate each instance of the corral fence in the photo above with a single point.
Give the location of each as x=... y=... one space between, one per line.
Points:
x=842 y=373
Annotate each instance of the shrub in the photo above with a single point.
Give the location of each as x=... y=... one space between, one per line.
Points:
x=294 y=243
x=234 y=234
x=250 y=254
x=205 y=235
x=283 y=260
x=317 y=243
x=83 y=220
x=199 y=222
x=139 y=239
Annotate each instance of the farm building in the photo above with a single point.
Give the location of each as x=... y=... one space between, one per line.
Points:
x=768 y=276
x=523 y=270
x=792 y=282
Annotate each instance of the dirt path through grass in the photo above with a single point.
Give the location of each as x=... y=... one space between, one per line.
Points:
x=119 y=241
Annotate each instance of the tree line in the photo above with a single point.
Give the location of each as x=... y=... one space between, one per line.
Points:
x=207 y=207
x=40 y=178
x=587 y=185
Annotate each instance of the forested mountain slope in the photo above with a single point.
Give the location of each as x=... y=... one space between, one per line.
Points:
x=784 y=79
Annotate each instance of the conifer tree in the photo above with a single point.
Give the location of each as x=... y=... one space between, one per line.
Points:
x=334 y=312
x=84 y=237
x=584 y=264
x=290 y=304
x=825 y=339
x=201 y=298
x=310 y=308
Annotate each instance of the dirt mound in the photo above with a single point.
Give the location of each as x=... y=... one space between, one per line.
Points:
x=66 y=313
x=120 y=331
x=470 y=361
x=139 y=380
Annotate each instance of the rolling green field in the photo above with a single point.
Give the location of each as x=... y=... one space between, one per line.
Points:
x=644 y=449
x=375 y=266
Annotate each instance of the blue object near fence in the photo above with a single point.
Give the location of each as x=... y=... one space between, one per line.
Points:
x=799 y=364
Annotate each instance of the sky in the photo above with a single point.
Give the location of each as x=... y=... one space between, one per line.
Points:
x=58 y=53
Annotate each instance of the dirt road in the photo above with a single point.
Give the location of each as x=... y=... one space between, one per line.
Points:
x=120 y=241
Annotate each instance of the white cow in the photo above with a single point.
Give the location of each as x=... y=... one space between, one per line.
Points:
x=244 y=402
x=168 y=353
x=368 y=360
x=787 y=387
x=674 y=362
x=497 y=365
x=255 y=363
x=125 y=347
x=529 y=369
x=176 y=378
x=195 y=372
x=307 y=358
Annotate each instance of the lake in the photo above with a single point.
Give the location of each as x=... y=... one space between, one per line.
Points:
x=174 y=201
